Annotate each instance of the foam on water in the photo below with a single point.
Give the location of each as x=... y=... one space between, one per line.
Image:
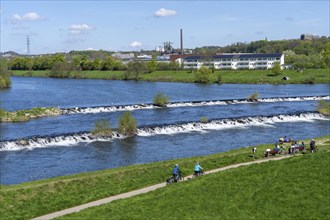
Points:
x=243 y=122
x=88 y=110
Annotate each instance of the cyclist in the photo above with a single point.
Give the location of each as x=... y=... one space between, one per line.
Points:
x=176 y=172
x=198 y=169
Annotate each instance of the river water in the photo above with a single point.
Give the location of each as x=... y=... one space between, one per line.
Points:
x=62 y=145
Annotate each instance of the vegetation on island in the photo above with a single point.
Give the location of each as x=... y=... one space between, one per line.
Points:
x=204 y=119
x=251 y=186
x=160 y=99
x=102 y=128
x=323 y=107
x=253 y=97
x=26 y=115
x=127 y=124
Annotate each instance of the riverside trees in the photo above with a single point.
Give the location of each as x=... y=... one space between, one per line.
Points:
x=5 y=81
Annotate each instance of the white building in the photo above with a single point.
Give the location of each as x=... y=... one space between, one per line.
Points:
x=234 y=61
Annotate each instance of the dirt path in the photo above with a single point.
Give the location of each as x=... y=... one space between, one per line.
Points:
x=144 y=190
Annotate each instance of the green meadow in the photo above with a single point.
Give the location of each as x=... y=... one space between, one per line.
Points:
x=308 y=76
x=290 y=188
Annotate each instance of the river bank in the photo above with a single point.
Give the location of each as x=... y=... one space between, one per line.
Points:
x=308 y=76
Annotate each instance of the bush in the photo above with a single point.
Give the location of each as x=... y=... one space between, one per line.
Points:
x=127 y=124
x=254 y=97
x=323 y=107
x=203 y=75
x=102 y=128
x=276 y=69
x=310 y=80
x=160 y=100
x=204 y=119
x=218 y=78
x=61 y=70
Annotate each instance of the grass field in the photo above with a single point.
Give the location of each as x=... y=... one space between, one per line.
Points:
x=228 y=76
x=295 y=188
x=32 y=199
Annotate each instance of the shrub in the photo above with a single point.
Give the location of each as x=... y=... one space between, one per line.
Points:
x=160 y=100
x=276 y=69
x=323 y=107
x=310 y=80
x=204 y=119
x=254 y=97
x=219 y=78
x=203 y=75
x=102 y=128
x=127 y=124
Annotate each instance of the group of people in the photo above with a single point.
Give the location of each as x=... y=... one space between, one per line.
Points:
x=279 y=147
x=176 y=172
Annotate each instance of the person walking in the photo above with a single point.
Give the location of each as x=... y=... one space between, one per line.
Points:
x=312 y=146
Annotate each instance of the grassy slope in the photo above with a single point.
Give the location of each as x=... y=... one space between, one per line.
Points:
x=228 y=76
x=295 y=188
x=27 y=200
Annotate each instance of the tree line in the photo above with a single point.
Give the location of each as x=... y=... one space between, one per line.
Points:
x=299 y=54
x=306 y=54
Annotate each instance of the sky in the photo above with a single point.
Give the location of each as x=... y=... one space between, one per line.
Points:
x=61 y=26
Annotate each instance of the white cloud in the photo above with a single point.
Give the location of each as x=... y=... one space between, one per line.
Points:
x=164 y=12
x=79 y=28
x=90 y=48
x=136 y=44
x=30 y=16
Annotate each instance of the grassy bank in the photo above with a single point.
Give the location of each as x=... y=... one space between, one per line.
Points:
x=228 y=76
x=26 y=115
x=295 y=188
x=27 y=200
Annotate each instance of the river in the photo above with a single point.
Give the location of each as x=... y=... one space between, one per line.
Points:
x=62 y=145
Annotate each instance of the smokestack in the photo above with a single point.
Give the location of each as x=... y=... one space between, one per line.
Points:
x=27 y=45
x=181 y=53
x=181 y=41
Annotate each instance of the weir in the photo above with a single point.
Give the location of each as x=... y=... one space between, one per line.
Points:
x=114 y=108
x=218 y=124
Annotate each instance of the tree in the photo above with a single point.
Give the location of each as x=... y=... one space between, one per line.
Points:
x=134 y=69
x=152 y=65
x=203 y=75
x=276 y=69
x=5 y=81
x=61 y=70
x=127 y=124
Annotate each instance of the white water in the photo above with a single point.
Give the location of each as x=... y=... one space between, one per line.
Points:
x=88 y=110
x=69 y=140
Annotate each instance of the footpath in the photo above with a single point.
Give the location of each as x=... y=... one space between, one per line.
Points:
x=144 y=190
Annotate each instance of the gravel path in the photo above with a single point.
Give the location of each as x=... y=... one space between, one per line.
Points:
x=143 y=190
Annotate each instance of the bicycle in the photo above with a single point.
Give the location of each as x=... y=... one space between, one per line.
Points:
x=172 y=179
x=198 y=174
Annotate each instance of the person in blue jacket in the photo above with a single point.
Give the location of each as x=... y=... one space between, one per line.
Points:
x=176 y=172
x=198 y=169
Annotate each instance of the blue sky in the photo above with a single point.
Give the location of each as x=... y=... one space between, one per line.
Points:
x=62 y=26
